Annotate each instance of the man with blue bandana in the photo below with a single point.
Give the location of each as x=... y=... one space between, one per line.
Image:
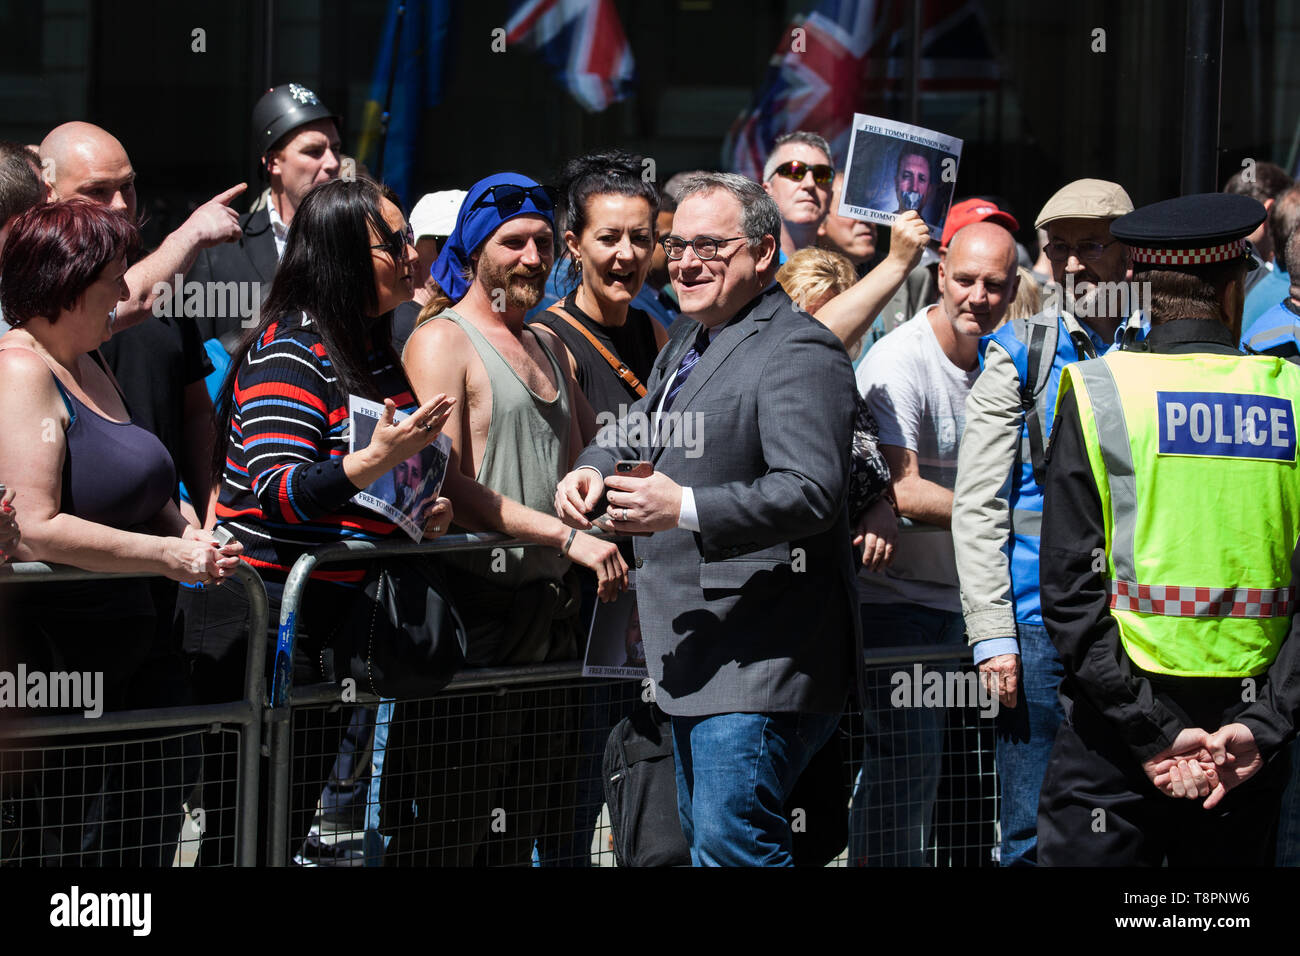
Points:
x=517 y=427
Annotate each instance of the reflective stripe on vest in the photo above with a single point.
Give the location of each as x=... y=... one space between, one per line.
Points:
x=1200 y=533
x=1117 y=454
x=1201 y=602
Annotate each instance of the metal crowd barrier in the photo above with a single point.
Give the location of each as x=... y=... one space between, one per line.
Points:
x=245 y=714
x=927 y=796
x=489 y=735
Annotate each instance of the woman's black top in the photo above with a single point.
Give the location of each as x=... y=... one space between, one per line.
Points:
x=633 y=343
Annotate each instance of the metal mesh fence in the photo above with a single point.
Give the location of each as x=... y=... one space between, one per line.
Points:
x=109 y=800
x=924 y=789
x=507 y=777
x=511 y=776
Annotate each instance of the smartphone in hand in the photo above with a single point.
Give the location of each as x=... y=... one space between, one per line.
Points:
x=632 y=469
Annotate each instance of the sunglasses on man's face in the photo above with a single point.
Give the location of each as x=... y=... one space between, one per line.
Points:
x=395 y=243
x=795 y=170
x=509 y=198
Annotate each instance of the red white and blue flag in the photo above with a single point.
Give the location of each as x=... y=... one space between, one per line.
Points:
x=583 y=40
x=850 y=56
x=814 y=82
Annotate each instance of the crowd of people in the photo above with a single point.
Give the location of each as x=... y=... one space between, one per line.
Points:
x=897 y=448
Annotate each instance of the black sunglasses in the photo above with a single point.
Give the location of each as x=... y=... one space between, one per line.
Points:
x=796 y=170
x=396 y=242
x=509 y=198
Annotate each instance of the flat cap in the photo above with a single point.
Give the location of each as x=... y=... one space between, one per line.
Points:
x=1086 y=199
x=1190 y=230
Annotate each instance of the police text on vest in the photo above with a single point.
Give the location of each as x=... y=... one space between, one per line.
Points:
x=1226 y=425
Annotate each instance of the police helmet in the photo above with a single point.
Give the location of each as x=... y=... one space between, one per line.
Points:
x=283 y=109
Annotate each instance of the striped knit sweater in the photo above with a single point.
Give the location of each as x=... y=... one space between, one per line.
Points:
x=284 y=491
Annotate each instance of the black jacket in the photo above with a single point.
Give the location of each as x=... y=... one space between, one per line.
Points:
x=1148 y=709
x=251 y=259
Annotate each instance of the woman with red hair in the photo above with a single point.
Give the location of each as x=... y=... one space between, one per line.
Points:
x=94 y=489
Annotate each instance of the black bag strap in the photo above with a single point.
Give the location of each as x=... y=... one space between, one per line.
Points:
x=1037 y=374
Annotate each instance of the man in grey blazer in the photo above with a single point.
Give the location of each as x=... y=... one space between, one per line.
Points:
x=745 y=582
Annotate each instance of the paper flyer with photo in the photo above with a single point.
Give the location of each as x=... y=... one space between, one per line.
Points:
x=406 y=494
x=614 y=647
x=894 y=167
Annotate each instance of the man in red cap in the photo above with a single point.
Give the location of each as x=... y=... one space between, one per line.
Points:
x=974 y=210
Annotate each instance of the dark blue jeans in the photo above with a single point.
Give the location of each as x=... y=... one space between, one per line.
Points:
x=892 y=811
x=734 y=774
x=1025 y=737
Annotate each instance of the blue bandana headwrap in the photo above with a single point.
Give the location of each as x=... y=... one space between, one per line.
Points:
x=473 y=226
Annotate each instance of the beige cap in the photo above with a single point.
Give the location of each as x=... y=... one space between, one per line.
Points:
x=1086 y=199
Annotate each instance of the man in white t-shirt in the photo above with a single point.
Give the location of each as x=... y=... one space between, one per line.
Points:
x=916 y=381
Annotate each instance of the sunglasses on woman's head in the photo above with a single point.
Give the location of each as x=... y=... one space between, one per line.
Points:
x=509 y=198
x=795 y=170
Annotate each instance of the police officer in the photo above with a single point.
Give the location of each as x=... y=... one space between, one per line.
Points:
x=297 y=141
x=1169 y=533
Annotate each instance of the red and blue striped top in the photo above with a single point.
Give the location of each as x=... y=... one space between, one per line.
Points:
x=284 y=491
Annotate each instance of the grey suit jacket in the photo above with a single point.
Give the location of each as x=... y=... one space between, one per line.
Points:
x=757 y=610
x=251 y=258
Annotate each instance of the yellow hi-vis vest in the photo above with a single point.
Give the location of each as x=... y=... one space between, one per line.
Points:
x=1195 y=462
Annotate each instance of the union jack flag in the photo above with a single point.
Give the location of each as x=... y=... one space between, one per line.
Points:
x=583 y=40
x=814 y=82
x=849 y=54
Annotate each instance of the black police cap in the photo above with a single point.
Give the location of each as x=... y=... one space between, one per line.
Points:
x=1190 y=230
x=283 y=109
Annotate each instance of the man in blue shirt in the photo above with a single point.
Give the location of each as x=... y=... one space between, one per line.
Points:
x=998 y=499
x=1283 y=219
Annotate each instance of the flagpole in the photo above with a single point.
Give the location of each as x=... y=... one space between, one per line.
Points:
x=388 y=94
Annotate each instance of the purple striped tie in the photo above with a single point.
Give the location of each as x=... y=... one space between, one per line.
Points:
x=692 y=356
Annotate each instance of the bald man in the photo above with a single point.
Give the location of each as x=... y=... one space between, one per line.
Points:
x=916 y=380
x=81 y=160
x=158 y=360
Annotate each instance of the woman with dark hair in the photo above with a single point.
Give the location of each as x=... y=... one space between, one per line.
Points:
x=94 y=489
x=287 y=477
x=608 y=212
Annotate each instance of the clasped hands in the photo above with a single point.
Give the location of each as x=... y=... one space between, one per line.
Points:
x=1201 y=764
x=641 y=505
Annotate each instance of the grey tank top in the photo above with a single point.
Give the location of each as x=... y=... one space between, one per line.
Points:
x=526 y=455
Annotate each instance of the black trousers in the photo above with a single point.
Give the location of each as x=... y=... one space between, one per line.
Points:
x=1097 y=807
x=216 y=640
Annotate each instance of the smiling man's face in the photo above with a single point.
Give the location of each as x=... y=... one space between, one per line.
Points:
x=712 y=291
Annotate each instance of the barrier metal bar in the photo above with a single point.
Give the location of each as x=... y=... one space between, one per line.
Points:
x=246 y=713
x=278 y=718
x=300 y=573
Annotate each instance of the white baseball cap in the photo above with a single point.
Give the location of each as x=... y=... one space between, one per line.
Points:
x=435 y=213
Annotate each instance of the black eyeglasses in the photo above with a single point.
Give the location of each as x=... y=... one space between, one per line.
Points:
x=1059 y=251
x=509 y=198
x=706 y=247
x=396 y=242
x=796 y=170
